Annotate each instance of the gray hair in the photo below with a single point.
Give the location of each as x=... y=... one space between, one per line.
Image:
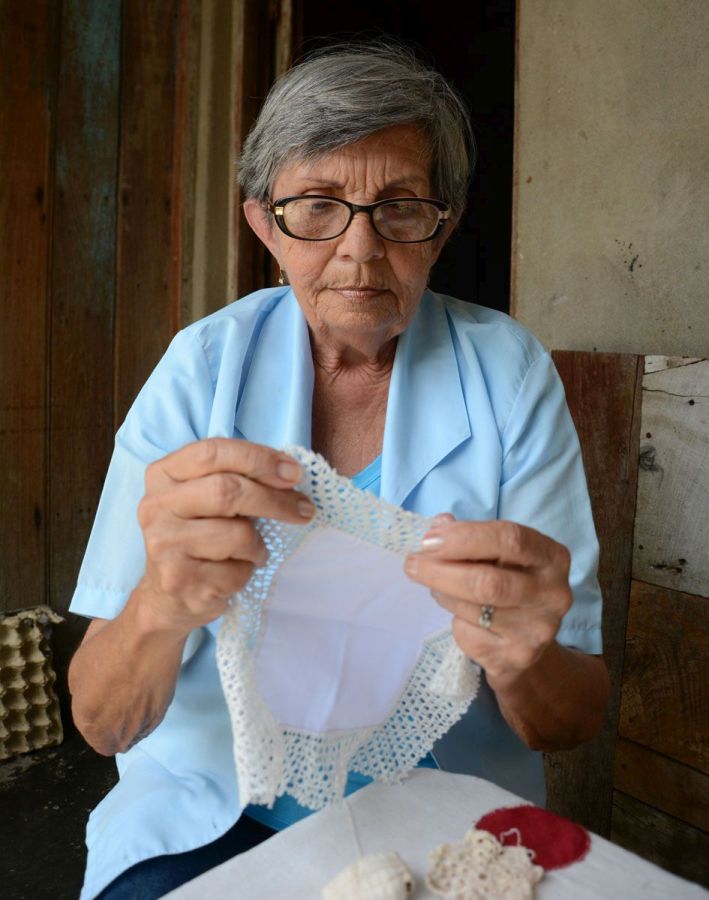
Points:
x=348 y=92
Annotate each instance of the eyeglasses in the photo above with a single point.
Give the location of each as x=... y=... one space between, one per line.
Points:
x=406 y=220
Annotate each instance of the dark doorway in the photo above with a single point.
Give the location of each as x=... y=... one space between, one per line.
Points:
x=476 y=53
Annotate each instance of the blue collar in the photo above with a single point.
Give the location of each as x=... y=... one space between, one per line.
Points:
x=426 y=413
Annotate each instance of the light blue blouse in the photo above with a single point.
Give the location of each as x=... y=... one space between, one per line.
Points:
x=476 y=425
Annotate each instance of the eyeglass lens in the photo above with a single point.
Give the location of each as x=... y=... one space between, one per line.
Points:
x=315 y=218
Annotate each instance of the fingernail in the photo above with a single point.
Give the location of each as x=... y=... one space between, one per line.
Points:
x=288 y=470
x=411 y=565
x=443 y=518
x=432 y=542
x=306 y=509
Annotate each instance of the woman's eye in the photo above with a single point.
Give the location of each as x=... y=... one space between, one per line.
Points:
x=401 y=210
x=316 y=208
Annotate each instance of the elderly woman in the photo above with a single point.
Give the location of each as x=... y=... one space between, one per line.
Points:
x=355 y=175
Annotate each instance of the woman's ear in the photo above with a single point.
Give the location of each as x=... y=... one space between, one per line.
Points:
x=261 y=224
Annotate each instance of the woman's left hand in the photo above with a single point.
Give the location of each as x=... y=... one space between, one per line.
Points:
x=506 y=585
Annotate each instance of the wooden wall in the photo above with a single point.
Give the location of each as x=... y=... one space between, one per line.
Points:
x=89 y=280
x=644 y=782
x=661 y=783
x=108 y=111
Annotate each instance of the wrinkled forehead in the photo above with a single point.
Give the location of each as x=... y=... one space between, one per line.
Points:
x=396 y=157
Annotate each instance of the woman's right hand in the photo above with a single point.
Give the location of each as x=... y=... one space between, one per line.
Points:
x=201 y=547
x=197 y=522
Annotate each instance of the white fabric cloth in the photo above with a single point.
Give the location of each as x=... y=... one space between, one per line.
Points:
x=379 y=678
x=428 y=809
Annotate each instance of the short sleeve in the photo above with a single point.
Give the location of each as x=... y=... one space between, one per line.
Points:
x=543 y=485
x=171 y=410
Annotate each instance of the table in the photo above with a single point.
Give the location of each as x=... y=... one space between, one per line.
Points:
x=427 y=809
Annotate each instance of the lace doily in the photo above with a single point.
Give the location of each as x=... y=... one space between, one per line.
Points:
x=480 y=868
x=273 y=758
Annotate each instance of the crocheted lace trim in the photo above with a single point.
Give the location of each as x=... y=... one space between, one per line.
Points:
x=272 y=759
x=480 y=868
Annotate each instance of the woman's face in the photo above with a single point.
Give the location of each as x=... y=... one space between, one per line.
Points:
x=358 y=285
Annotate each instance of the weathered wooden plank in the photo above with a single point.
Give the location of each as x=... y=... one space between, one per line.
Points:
x=147 y=288
x=28 y=47
x=665 y=696
x=187 y=183
x=661 y=363
x=212 y=194
x=603 y=392
x=662 y=839
x=287 y=42
x=288 y=35
x=242 y=46
x=82 y=286
x=254 y=41
x=672 y=521
x=662 y=782
x=183 y=148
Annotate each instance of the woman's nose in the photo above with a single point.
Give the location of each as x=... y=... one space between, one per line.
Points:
x=361 y=242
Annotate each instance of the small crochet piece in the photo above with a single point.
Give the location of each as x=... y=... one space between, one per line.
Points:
x=480 y=868
x=379 y=876
x=29 y=709
x=380 y=679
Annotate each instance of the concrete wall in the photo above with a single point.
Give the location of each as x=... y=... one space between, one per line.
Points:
x=611 y=239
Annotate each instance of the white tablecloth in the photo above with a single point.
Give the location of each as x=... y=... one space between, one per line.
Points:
x=428 y=809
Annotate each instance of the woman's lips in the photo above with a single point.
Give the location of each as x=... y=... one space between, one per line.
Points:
x=360 y=292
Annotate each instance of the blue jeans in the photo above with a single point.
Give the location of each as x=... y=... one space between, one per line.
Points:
x=156 y=877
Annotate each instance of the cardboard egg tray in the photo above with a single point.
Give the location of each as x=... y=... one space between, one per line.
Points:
x=29 y=709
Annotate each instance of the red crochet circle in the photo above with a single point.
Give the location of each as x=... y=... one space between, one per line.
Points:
x=556 y=842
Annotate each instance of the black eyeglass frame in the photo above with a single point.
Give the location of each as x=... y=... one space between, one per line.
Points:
x=277 y=208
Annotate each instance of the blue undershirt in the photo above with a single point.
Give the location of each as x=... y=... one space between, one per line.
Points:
x=286 y=810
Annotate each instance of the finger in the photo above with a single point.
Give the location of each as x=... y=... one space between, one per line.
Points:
x=505 y=542
x=480 y=645
x=225 y=494
x=197 y=588
x=479 y=583
x=223 y=578
x=497 y=654
x=522 y=622
x=260 y=463
x=443 y=518
x=210 y=539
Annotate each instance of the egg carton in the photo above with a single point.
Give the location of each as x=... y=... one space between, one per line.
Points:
x=29 y=708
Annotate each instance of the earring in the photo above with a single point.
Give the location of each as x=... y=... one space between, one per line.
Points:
x=282 y=277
